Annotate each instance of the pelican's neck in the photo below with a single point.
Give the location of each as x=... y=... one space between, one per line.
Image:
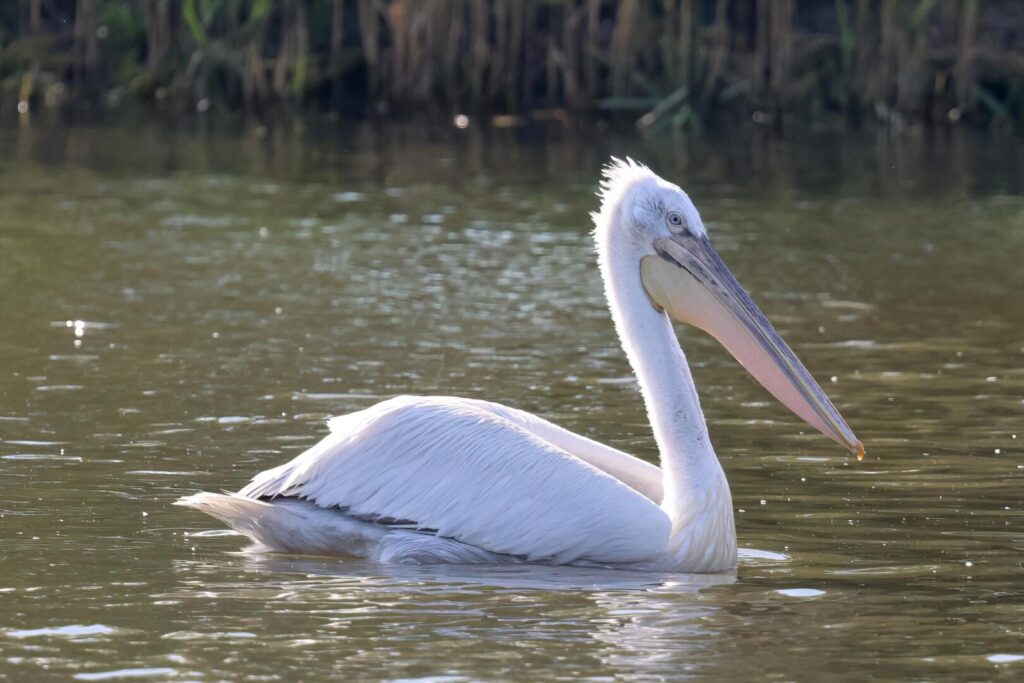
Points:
x=688 y=461
x=696 y=494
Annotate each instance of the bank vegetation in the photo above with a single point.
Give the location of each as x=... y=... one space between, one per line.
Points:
x=656 y=62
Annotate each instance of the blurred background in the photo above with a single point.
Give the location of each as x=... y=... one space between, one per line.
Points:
x=684 y=63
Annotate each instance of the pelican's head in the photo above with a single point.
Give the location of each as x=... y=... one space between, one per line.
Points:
x=653 y=222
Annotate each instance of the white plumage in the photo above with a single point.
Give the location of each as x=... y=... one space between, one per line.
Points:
x=446 y=465
x=441 y=479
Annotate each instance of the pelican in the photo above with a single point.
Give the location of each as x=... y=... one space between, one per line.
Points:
x=436 y=479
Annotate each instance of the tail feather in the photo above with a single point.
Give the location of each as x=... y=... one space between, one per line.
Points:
x=302 y=527
x=292 y=526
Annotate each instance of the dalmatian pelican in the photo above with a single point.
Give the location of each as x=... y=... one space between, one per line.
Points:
x=436 y=479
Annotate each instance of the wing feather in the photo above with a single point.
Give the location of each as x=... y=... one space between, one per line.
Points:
x=630 y=470
x=472 y=475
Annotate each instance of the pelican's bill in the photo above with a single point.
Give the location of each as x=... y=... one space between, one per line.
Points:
x=689 y=280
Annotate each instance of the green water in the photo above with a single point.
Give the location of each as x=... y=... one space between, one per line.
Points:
x=235 y=289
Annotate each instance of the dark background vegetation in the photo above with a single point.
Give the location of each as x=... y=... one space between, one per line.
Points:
x=682 y=63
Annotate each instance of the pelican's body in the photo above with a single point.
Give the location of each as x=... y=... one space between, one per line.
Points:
x=454 y=480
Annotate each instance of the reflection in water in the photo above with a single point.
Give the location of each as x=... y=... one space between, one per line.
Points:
x=513 y=577
x=630 y=621
x=236 y=291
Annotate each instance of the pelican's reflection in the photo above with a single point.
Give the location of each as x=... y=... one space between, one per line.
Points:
x=519 y=577
x=591 y=621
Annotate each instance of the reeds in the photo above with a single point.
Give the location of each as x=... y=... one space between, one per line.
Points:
x=676 y=62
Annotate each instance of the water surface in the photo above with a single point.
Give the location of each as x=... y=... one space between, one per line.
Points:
x=181 y=309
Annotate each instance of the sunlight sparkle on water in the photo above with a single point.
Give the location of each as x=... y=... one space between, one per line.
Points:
x=71 y=631
x=800 y=592
x=125 y=673
x=78 y=326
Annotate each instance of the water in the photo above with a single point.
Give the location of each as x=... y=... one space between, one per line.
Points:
x=180 y=310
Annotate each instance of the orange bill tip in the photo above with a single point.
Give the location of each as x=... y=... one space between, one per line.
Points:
x=860 y=451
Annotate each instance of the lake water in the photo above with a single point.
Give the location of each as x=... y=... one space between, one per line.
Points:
x=182 y=309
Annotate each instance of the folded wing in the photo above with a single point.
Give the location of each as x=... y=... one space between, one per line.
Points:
x=465 y=472
x=632 y=471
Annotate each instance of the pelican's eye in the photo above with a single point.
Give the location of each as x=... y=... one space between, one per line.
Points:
x=674 y=219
